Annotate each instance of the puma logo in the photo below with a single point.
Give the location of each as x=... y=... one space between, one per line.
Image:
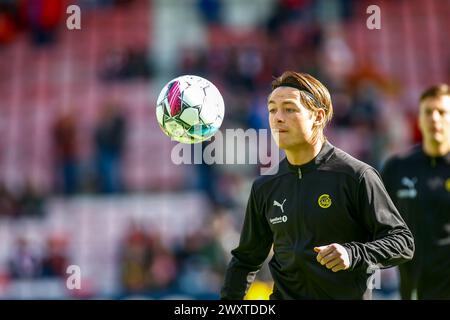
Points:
x=410 y=191
x=276 y=203
x=410 y=183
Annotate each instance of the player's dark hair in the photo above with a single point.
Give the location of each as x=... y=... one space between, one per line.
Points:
x=435 y=92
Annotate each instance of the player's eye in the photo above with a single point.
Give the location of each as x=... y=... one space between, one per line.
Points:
x=272 y=111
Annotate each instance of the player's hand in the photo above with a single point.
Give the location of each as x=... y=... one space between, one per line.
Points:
x=333 y=256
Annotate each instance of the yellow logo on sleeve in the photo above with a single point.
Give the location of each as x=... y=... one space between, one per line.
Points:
x=324 y=201
x=447 y=184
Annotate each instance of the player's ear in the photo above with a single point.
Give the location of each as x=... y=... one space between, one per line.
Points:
x=319 y=115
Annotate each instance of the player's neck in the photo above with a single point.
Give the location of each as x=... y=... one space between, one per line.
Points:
x=304 y=154
x=436 y=149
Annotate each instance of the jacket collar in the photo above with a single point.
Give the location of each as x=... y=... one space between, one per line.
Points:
x=434 y=160
x=323 y=156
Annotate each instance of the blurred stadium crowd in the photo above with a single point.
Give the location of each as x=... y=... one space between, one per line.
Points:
x=81 y=153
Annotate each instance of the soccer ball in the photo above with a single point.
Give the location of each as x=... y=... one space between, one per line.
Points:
x=189 y=109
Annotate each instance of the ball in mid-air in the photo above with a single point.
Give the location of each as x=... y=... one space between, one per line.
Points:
x=190 y=109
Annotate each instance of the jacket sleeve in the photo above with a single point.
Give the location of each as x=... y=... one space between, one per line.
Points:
x=254 y=246
x=391 y=240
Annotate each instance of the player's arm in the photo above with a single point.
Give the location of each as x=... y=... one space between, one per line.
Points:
x=254 y=246
x=392 y=242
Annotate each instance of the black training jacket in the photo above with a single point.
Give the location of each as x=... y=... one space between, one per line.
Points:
x=334 y=198
x=420 y=188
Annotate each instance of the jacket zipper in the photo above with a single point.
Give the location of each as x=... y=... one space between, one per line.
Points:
x=299 y=173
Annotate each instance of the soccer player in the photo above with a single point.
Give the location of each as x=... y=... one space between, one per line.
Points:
x=419 y=184
x=327 y=215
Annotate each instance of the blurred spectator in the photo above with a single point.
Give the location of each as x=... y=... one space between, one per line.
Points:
x=197 y=278
x=192 y=61
x=137 y=65
x=109 y=140
x=31 y=201
x=8 y=26
x=225 y=232
x=147 y=265
x=112 y=65
x=257 y=115
x=365 y=105
x=134 y=259
x=207 y=178
x=123 y=3
x=102 y=4
x=65 y=142
x=342 y=108
x=24 y=262
x=211 y=11
x=286 y=11
x=126 y=64
x=337 y=58
x=202 y=259
x=43 y=17
x=55 y=260
x=8 y=203
x=163 y=265
x=347 y=8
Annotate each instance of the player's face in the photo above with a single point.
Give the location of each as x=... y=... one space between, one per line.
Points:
x=434 y=119
x=291 y=123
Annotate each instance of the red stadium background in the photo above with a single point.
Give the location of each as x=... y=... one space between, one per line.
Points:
x=85 y=172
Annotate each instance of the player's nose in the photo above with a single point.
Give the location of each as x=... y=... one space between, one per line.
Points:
x=435 y=116
x=278 y=117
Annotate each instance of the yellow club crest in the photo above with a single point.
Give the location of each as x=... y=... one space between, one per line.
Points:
x=447 y=184
x=324 y=201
